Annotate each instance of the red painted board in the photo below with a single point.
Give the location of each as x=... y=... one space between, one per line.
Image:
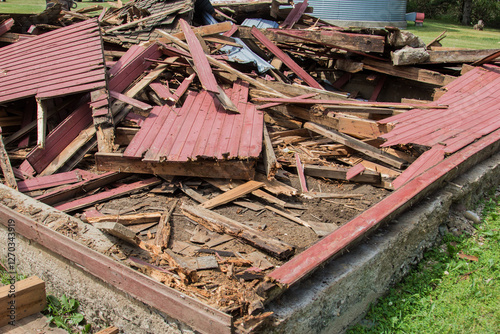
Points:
x=59 y=138
x=292 y=65
x=107 y=195
x=183 y=86
x=48 y=181
x=427 y=160
x=129 y=100
x=231 y=31
x=307 y=261
x=354 y=171
x=200 y=60
x=294 y=15
x=6 y=26
x=162 y=90
x=300 y=173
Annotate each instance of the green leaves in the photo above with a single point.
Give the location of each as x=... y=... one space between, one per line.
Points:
x=63 y=314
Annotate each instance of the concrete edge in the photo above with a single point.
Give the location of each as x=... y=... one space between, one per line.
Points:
x=339 y=294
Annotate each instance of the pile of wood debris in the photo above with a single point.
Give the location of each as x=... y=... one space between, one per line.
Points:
x=272 y=116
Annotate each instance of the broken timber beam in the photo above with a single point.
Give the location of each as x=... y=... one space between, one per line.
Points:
x=223 y=66
x=221 y=224
x=458 y=56
x=358 y=145
x=340 y=173
x=271 y=164
x=355 y=42
x=107 y=195
x=231 y=169
x=292 y=65
x=232 y=194
x=407 y=72
x=5 y=165
x=134 y=219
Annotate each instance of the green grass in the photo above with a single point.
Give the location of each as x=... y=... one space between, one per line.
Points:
x=37 y=6
x=457 y=35
x=446 y=294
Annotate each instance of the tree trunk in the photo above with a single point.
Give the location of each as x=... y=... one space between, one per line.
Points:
x=466 y=11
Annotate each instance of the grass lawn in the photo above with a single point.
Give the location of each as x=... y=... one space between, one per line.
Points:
x=447 y=293
x=37 y=6
x=457 y=35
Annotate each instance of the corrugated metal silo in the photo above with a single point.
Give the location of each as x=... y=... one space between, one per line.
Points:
x=364 y=13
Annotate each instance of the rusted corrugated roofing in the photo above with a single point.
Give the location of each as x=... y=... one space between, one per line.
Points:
x=201 y=129
x=64 y=61
x=474 y=111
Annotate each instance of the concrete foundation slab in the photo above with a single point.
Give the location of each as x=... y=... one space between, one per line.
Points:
x=328 y=301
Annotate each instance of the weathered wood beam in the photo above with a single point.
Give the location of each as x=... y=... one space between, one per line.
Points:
x=358 y=145
x=108 y=195
x=339 y=173
x=5 y=165
x=356 y=42
x=458 y=56
x=271 y=164
x=225 y=169
x=232 y=194
x=292 y=65
x=221 y=224
x=407 y=72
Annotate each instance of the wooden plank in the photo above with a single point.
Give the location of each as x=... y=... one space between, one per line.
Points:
x=202 y=66
x=231 y=169
x=351 y=103
x=119 y=231
x=358 y=145
x=294 y=15
x=223 y=66
x=351 y=41
x=175 y=304
x=49 y=181
x=133 y=102
x=107 y=195
x=410 y=73
x=162 y=90
x=378 y=88
x=164 y=13
x=271 y=164
x=41 y=112
x=80 y=188
x=321 y=229
x=211 y=29
x=109 y=330
x=339 y=173
x=354 y=171
x=126 y=220
x=300 y=173
x=458 y=56
x=221 y=224
x=163 y=232
x=292 y=65
x=5 y=165
x=399 y=200
x=21 y=299
x=232 y=194
x=276 y=187
x=6 y=26
x=183 y=87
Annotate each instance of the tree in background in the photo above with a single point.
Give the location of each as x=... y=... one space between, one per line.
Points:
x=466 y=12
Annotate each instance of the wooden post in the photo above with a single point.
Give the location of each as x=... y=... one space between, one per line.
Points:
x=8 y=173
x=41 y=112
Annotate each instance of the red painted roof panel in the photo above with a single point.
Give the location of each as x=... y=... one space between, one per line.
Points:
x=64 y=61
x=474 y=111
x=201 y=129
